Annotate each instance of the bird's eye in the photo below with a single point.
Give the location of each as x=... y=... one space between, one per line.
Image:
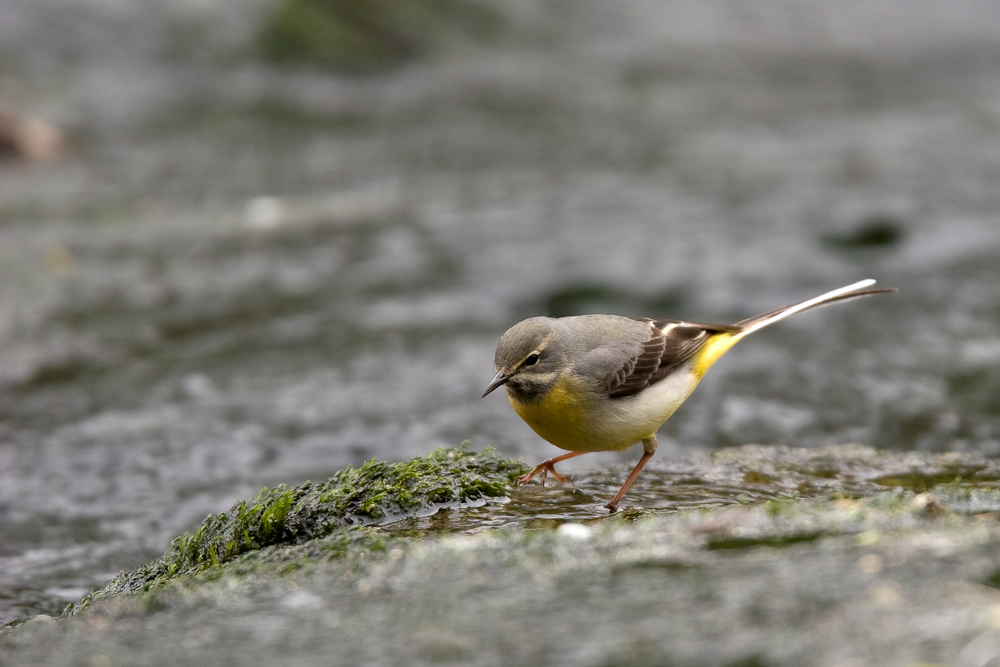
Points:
x=532 y=359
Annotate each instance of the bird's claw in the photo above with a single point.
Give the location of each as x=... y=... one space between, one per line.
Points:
x=546 y=468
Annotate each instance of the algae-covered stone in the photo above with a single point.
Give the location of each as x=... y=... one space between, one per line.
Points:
x=862 y=574
x=876 y=581
x=776 y=479
x=375 y=491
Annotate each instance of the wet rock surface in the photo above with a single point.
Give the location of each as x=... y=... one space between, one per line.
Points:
x=891 y=578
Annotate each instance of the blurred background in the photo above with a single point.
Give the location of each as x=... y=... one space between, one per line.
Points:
x=251 y=242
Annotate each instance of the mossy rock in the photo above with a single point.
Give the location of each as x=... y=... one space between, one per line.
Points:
x=354 y=496
x=368 y=36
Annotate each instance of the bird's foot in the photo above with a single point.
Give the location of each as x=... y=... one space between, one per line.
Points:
x=613 y=506
x=546 y=468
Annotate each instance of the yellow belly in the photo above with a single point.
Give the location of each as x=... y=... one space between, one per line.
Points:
x=558 y=417
x=572 y=417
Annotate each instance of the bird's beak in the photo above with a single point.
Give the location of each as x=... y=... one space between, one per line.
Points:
x=497 y=380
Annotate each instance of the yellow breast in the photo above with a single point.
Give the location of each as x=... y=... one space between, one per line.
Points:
x=573 y=417
x=561 y=416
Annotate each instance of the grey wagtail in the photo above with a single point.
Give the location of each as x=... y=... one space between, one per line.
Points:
x=600 y=383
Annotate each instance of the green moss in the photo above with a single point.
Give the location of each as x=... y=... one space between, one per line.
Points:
x=758 y=477
x=921 y=482
x=365 y=36
x=355 y=496
x=782 y=506
x=764 y=541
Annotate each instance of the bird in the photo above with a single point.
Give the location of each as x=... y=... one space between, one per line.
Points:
x=599 y=383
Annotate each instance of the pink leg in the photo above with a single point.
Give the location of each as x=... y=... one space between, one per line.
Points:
x=546 y=467
x=650 y=448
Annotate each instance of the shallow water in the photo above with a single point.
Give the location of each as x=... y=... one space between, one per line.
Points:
x=734 y=476
x=240 y=276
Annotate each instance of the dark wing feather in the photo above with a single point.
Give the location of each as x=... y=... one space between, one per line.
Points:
x=661 y=354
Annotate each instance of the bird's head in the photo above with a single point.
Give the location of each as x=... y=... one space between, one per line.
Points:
x=528 y=359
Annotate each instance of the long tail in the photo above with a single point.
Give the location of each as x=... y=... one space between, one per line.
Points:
x=858 y=289
x=719 y=344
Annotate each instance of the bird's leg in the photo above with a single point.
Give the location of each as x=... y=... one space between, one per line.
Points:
x=649 y=448
x=546 y=467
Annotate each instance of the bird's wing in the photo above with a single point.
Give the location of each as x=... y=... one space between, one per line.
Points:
x=670 y=344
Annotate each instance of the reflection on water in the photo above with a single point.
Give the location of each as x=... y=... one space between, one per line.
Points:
x=240 y=276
